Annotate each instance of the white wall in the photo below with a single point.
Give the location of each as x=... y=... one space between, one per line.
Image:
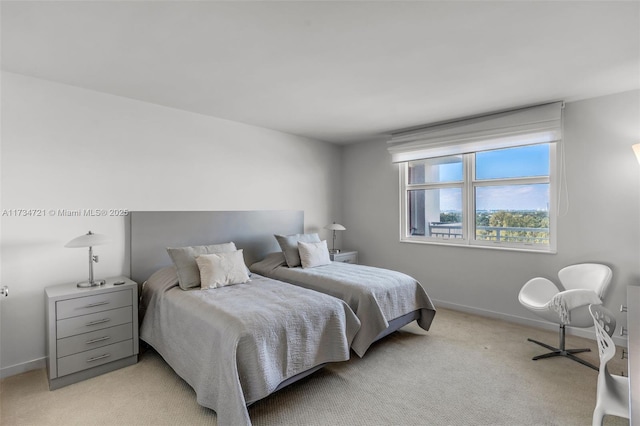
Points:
x=602 y=224
x=68 y=148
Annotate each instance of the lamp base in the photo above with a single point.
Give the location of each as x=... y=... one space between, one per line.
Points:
x=334 y=251
x=86 y=284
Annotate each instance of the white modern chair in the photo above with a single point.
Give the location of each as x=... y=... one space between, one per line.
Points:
x=613 y=391
x=584 y=284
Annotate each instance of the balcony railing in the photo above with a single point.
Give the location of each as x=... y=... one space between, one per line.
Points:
x=513 y=234
x=491 y=233
x=445 y=230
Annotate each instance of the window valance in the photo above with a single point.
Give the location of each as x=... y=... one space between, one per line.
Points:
x=525 y=126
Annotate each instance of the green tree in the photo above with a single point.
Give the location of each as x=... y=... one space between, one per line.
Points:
x=450 y=217
x=514 y=219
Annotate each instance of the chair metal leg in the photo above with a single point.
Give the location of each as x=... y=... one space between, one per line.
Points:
x=577 y=351
x=551 y=348
x=581 y=361
x=561 y=351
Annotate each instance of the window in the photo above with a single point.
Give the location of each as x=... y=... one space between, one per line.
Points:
x=498 y=198
x=434 y=197
x=492 y=184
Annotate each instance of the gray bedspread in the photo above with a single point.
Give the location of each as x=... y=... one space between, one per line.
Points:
x=376 y=295
x=234 y=345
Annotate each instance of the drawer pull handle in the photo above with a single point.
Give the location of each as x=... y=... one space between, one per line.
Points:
x=99 y=339
x=91 y=305
x=100 y=321
x=95 y=358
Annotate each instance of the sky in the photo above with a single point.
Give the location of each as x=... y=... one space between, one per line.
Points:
x=505 y=163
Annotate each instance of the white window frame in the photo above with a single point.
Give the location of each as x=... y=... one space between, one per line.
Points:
x=468 y=185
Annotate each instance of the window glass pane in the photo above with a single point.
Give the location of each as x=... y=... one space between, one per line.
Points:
x=523 y=161
x=434 y=170
x=513 y=213
x=435 y=212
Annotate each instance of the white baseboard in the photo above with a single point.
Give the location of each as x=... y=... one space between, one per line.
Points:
x=12 y=370
x=581 y=332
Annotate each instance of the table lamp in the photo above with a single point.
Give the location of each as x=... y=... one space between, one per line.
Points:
x=335 y=227
x=89 y=240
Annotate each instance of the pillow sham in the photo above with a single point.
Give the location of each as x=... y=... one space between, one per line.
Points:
x=184 y=259
x=222 y=269
x=314 y=254
x=289 y=246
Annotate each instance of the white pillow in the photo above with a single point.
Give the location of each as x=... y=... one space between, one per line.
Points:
x=313 y=254
x=221 y=269
x=289 y=246
x=185 y=260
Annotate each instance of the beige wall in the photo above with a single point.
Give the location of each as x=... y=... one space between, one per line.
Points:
x=68 y=148
x=602 y=224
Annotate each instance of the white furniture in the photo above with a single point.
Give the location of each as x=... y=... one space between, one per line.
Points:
x=584 y=284
x=90 y=331
x=344 y=257
x=633 y=330
x=613 y=391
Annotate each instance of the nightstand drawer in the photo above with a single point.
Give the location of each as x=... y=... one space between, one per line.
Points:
x=349 y=259
x=345 y=257
x=86 y=323
x=95 y=339
x=71 y=364
x=90 y=304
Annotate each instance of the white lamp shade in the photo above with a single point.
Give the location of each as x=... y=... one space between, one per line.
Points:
x=88 y=240
x=335 y=227
x=636 y=150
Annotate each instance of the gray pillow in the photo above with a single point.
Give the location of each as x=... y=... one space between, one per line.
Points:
x=289 y=246
x=185 y=260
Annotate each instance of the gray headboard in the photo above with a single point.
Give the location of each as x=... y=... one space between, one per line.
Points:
x=152 y=232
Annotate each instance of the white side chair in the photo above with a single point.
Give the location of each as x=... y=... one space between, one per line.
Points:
x=613 y=391
x=584 y=284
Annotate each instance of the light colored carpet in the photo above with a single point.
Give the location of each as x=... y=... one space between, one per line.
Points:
x=467 y=370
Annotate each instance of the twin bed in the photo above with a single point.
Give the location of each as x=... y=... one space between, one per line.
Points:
x=382 y=299
x=237 y=344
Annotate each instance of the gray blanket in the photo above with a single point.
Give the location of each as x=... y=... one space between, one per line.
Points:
x=234 y=345
x=376 y=295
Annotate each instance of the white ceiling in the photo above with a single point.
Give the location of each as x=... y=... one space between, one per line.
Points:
x=336 y=71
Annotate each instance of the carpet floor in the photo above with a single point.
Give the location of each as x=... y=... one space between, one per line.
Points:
x=466 y=370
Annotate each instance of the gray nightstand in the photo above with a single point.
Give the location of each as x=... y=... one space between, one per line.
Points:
x=90 y=331
x=344 y=257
